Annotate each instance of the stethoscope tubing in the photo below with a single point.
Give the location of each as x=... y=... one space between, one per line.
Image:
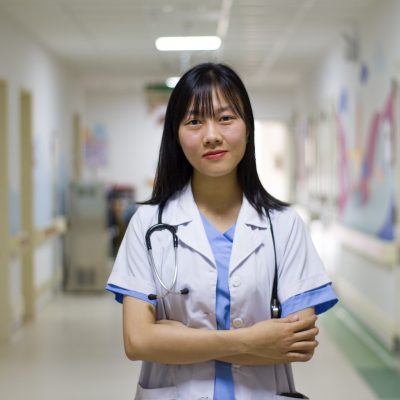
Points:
x=169 y=290
x=275 y=305
x=160 y=226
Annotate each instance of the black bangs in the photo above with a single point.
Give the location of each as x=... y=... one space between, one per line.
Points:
x=209 y=88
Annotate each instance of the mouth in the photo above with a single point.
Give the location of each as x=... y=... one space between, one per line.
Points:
x=215 y=155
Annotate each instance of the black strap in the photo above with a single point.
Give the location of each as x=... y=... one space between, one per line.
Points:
x=274 y=296
x=160 y=211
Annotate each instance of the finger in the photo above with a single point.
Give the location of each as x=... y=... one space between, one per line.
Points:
x=305 y=323
x=290 y=318
x=299 y=357
x=304 y=347
x=308 y=334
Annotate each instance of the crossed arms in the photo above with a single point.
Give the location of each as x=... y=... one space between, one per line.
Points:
x=275 y=341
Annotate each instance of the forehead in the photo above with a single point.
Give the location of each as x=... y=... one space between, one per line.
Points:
x=212 y=101
x=203 y=99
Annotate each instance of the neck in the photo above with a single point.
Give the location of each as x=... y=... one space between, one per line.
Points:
x=217 y=195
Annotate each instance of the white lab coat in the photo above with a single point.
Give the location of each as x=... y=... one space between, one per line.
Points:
x=251 y=273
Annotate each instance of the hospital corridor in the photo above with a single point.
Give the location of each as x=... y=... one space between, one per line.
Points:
x=106 y=104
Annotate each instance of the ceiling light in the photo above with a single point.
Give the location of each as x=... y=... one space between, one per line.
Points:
x=172 y=81
x=181 y=43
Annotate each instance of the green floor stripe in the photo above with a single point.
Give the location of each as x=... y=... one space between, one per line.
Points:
x=384 y=381
x=374 y=363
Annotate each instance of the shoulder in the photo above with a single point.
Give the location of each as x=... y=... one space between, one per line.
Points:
x=147 y=214
x=144 y=216
x=287 y=223
x=285 y=217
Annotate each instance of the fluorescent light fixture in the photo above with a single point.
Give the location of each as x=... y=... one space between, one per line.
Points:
x=181 y=43
x=172 y=81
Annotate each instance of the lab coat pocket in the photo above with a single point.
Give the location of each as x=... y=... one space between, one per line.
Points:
x=166 y=393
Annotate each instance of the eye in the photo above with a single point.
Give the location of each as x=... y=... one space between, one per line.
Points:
x=193 y=122
x=227 y=118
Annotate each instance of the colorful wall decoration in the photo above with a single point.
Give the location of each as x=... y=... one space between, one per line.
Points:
x=96 y=146
x=366 y=170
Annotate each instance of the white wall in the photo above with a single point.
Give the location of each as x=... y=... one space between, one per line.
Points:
x=367 y=285
x=273 y=156
x=133 y=138
x=271 y=104
x=26 y=65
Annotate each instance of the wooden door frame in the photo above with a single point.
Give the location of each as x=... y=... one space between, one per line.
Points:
x=26 y=195
x=5 y=307
x=77 y=146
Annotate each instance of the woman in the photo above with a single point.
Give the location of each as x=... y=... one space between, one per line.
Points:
x=213 y=337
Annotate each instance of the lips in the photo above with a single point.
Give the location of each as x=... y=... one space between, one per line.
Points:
x=215 y=155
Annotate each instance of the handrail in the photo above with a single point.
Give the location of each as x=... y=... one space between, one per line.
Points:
x=384 y=252
x=19 y=241
x=56 y=228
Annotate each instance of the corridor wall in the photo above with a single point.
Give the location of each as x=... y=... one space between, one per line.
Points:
x=346 y=120
x=29 y=68
x=132 y=138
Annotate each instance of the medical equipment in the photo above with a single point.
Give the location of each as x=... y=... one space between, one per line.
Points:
x=86 y=243
x=160 y=226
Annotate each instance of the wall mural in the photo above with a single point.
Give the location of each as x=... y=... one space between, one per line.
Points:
x=366 y=171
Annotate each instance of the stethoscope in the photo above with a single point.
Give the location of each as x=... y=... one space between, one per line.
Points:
x=170 y=290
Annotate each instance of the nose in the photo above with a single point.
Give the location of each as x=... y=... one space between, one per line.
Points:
x=212 y=135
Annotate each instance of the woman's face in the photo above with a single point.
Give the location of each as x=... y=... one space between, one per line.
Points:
x=213 y=145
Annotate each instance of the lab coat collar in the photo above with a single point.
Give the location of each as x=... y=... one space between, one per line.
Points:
x=182 y=209
x=250 y=234
x=182 y=212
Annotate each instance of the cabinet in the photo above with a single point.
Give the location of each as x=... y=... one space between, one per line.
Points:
x=88 y=262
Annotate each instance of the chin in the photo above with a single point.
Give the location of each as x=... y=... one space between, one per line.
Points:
x=215 y=174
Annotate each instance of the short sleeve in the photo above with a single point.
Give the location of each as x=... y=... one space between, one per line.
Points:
x=131 y=273
x=300 y=268
x=322 y=299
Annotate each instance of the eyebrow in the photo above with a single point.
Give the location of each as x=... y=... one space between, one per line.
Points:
x=218 y=111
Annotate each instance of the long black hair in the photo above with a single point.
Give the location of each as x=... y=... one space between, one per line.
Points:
x=195 y=89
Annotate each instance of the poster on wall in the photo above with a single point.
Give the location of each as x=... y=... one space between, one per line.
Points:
x=95 y=145
x=157 y=96
x=366 y=170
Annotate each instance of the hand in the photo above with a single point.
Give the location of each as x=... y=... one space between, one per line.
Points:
x=283 y=340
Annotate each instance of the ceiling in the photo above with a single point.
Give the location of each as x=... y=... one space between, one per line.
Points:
x=269 y=42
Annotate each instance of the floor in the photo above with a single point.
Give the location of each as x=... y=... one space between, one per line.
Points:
x=74 y=351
